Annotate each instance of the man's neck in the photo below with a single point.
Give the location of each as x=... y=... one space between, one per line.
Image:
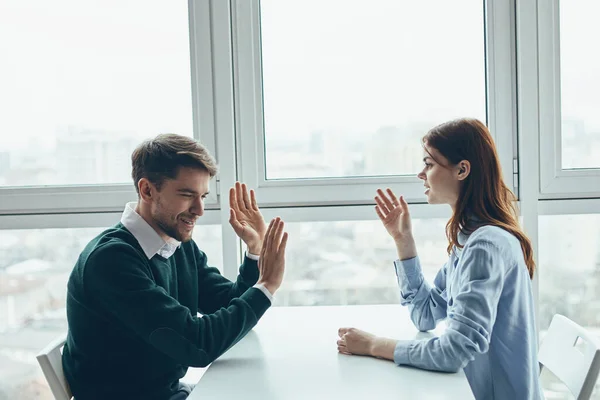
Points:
x=143 y=211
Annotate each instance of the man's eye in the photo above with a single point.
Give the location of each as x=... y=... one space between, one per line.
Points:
x=187 y=195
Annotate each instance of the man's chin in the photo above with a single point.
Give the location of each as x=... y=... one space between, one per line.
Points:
x=184 y=237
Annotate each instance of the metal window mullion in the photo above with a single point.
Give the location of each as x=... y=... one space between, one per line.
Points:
x=528 y=124
x=501 y=81
x=224 y=116
x=202 y=83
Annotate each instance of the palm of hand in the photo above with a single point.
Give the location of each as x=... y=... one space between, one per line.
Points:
x=245 y=217
x=253 y=223
x=397 y=222
x=393 y=213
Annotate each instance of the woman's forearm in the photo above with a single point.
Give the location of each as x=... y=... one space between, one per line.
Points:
x=406 y=248
x=383 y=348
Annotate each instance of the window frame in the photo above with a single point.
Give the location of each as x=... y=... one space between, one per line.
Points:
x=501 y=112
x=112 y=197
x=556 y=182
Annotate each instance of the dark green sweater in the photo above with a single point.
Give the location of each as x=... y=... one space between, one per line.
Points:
x=133 y=329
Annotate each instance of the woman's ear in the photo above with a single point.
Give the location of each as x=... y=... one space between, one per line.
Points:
x=464 y=169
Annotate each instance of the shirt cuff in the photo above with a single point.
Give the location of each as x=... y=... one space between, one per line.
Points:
x=409 y=271
x=401 y=352
x=263 y=289
x=253 y=257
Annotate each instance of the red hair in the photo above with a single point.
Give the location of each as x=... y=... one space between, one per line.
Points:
x=484 y=198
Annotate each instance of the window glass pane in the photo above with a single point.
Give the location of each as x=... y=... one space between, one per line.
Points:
x=580 y=84
x=350 y=90
x=83 y=82
x=34 y=269
x=209 y=239
x=569 y=277
x=351 y=262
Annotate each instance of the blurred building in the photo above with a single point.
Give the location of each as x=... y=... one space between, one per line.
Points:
x=89 y=156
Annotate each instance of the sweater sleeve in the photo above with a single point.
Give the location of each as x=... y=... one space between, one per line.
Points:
x=214 y=290
x=120 y=283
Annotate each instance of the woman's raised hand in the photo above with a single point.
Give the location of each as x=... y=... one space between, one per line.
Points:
x=393 y=212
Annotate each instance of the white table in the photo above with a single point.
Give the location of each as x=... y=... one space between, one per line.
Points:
x=292 y=354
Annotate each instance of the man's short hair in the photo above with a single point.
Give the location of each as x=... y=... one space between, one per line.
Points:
x=161 y=158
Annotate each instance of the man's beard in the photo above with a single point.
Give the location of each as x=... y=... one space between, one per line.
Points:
x=170 y=229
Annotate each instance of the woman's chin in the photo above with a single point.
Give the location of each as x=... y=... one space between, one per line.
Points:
x=431 y=200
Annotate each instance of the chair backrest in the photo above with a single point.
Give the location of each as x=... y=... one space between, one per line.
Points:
x=50 y=359
x=572 y=354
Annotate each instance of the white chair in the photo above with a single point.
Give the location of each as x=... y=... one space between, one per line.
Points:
x=576 y=366
x=50 y=359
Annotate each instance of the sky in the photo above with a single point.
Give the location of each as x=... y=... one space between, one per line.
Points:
x=110 y=65
x=332 y=65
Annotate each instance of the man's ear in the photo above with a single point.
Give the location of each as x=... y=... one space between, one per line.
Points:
x=464 y=169
x=146 y=189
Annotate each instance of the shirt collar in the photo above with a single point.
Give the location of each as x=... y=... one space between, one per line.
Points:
x=150 y=241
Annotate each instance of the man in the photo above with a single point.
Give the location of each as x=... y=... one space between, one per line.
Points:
x=135 y=291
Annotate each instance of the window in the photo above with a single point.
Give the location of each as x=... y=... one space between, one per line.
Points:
x=332 y=104
x=34 y=268
x=579 y=84
x=569 y=278
x=569 y=123
x=35 y=265
x=353 y=94
x=570 y=268
x=209 y=240
x=351 y=262
x=84 y=82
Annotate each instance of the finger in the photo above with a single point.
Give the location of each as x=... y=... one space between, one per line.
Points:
x=268 y=241
x=235 y=224
x=380 y=214
x=393 y=197
x=239 y=196
x=341 y=342
x=403 y=204
x=263 y=250
x=342 y=331
x=382 y=205
x=385 y=199
x=232 y=199
x=245 y=196
x=283 y=244
x=253 y=200
x=277 y=236
x=344 y=350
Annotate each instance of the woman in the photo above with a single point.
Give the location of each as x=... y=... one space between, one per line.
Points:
x=483 y=290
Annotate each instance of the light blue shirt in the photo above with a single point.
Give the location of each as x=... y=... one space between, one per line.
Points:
x=484 y=292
